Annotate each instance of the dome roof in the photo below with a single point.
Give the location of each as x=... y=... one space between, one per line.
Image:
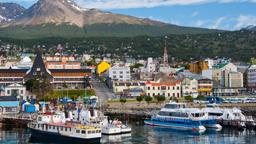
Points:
x=26 y=60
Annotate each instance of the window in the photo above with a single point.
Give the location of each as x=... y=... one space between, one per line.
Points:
x=173 y=88
x=83 y=132
x=8 y=92
x=21 y=92
x=66 y=129
x=148 y=88
x=178 y=88
x=77 y=131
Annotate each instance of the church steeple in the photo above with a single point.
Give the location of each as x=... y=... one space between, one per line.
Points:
x=165 y=60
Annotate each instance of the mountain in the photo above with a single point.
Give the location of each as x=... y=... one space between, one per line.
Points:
x=66 y=11
x=64 y=18
x=9 y=11
x=250 y=28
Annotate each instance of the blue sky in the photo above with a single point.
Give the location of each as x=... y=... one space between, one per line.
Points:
x=216 y=14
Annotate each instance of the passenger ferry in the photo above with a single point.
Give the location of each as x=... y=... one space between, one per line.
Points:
x=57 y=127
x=177 y=116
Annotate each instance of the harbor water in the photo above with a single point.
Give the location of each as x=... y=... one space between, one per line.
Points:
x=143 y=134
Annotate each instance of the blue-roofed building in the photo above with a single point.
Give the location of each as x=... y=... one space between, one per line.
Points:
x=9 y=105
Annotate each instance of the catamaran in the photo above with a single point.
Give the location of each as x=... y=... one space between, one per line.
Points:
x=178 y=116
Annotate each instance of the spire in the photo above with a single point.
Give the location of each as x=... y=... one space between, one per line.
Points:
x=165 y=55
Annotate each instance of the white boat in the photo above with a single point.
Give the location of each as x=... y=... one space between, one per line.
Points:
x=229 y=116
x=177 y=116
x=114 y=127
x=57 y=127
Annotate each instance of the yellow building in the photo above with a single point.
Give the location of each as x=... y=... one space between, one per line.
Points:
x=198 y=66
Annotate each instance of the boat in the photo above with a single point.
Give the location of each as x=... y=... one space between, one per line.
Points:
x=229 y=116
x=178 y=116
x=57 y=127
x=114 y=127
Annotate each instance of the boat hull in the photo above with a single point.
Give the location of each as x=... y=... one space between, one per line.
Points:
x=199 y=128
x=50 y=137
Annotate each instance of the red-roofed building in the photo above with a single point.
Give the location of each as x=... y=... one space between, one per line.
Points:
x=167 y=89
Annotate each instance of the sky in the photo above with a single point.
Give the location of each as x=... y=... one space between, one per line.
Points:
x=213 y=14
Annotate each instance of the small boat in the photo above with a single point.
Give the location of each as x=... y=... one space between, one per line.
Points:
x=55 y=126
x=177 y=116
x=114 y=127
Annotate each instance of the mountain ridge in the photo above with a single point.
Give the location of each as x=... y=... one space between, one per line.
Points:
x=64 y=18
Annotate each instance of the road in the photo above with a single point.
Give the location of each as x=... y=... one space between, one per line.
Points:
x=102 y=91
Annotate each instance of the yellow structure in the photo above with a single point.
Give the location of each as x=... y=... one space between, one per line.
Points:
x=198 y=66
x=102 y=67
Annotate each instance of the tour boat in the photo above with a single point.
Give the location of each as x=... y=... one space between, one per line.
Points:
x=177 y=116
x=57 y=127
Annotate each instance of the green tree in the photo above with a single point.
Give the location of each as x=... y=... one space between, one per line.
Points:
x=200 y=97
x=91 y=92
x=139 y=99
x=189 y=98
x=123 y=101
x=40 y=87
x=148 y=99
x=160 y=99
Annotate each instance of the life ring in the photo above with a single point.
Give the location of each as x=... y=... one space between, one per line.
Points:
x=33 y=117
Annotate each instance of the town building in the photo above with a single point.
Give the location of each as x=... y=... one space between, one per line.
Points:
x=60 y=61
x=164 y=67
x=71 y=78
x=189 y=87
x=232 y=79
x=9 y=105
x=121 y=86
x=222 y=91
x=163 y=85
x=205 y=87
x=119 y=73
x=150 y=66
x=251 y=78
x=198 y=66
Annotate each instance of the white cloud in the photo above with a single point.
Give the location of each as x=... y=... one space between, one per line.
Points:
x=217 y=23
x=194 y=14
x=124 y=4
x=245 y=20
x=200 y=23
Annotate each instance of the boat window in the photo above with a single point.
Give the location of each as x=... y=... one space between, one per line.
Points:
x=38 y=125
x=215 y=114
x=77 y=131
x=66 y=129
x=89 y=132
x=83 y=132
x=53 y=127
x=50 y=127
x=93 y=131
x=61 y=128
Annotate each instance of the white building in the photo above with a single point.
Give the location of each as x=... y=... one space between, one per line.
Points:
x=119 y=73
x=149 y=67
x=189 y=87
x=251 y=77
x=16 y=90
x=167 y=89
x=120 y=87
